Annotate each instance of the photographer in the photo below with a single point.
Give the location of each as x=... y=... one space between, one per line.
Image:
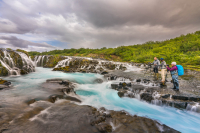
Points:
x=156 y=64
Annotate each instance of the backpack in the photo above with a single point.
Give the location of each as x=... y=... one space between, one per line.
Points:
x=180 y=70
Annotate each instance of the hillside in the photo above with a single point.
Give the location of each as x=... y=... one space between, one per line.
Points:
x=184 y=50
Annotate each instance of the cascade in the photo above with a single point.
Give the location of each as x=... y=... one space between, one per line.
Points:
x=7 y=61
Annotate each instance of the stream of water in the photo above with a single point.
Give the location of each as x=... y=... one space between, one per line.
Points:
x=98 y=95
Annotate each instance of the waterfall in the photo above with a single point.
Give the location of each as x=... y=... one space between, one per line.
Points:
x=10 y=70
x=27 y=61
x=43 y=60
x=63 y=62
x=8 y=62
x=38 y=59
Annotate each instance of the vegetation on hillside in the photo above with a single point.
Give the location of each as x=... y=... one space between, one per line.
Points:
x=184 y=50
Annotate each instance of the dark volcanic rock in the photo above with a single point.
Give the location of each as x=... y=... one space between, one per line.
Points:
x=121 y=93
x=146 y=96
x=104 y=72
x=114 y=86
x=98 y=81
x=195 y=99
x=166 y=96
x=138 y=80
x=179 y=97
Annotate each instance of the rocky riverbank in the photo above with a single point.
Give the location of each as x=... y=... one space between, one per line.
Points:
x=138 y=84
x=60 y=112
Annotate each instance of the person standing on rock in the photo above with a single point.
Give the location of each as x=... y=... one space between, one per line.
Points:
x=174 y=72
x=156 y=64
x=163 y=70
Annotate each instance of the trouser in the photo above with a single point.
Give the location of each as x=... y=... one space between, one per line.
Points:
x=155 y=69
x=163 y=74
x=175 y=81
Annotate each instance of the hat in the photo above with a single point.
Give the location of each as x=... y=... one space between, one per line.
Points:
x=173 y=63
x=161 y=59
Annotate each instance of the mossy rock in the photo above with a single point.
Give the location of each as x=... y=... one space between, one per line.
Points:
x=3 y=71
x=23 y=72
x=53 y=61
x=65 y=69
x=23 y=51
x=2 y=81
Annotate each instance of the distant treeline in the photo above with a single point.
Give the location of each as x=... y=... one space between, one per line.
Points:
x=184 y=50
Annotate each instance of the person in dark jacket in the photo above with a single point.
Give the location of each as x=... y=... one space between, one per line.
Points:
x=174 y=72
x=156 y=64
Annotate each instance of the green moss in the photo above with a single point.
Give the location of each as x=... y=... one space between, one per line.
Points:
x=53 y=61
x=23 y=51
x=64 y=69
x=3 y=71
x=2 y=81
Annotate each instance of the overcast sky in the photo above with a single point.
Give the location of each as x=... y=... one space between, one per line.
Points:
x=40 y=25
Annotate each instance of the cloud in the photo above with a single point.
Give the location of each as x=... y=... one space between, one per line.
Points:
x=96 y=23
x=15 y=43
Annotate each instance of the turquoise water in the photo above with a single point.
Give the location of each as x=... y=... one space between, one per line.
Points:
x=99 y=95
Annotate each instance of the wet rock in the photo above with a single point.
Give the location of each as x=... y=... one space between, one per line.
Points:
x=66 y=83
x=72 y=99
x=129 y=84
x=98 y=81
x=112 y=78
x=166 y=96
x=104 y=128
x=31 y=101
x=54 y=81
x=53 y=98
x=138 y=80
x=121 y=93
x=180 y=105
x=146 y=96
x=195 y=99
x=104 y=72
x=114 y=86
x=23 y=72
x=179 y=97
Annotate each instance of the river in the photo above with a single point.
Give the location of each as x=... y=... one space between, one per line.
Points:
x=97 y=95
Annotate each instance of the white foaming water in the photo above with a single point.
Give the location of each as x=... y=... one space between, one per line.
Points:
x=100 y=64
x=99 y=95
x=63 y=63
x=9 y=64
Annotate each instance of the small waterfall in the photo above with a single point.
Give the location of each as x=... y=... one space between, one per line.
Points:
x=195 y=107
x=10 y=70
x=8 y=62
x=38 y=60
x=27 y=62
x=43 y=60
x=64 y=63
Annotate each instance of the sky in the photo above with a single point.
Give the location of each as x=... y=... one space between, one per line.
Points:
x=44 y=25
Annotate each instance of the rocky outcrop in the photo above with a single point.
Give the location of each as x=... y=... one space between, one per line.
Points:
x=4 y=84
x=72 y=118
x=156 y=95
x=77 y=64
x=62 y=89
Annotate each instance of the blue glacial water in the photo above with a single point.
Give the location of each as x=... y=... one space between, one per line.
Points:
x=99 y=95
